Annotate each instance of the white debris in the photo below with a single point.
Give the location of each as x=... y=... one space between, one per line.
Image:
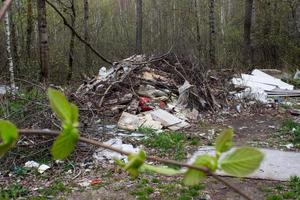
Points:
x=31 y=164
x=42 y=168
x=3 y=89
x=148 y=122
x=128 y=121
x=257 y=84
x=103 y=154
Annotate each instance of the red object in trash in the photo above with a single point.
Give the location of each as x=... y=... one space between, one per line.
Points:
x=96 y=182
x=144 y=104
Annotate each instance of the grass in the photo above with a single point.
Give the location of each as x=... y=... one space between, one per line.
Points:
x=175 y=190
x=168 y=142
x=290 y=190
x=16 y=191
x=13 y=192
x=17 y=107
x=293 y=128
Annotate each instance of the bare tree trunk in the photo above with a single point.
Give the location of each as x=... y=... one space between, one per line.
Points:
x=222 y=17
x=86 y=32
x=14 y=42
x=198 y=35
x=9 y=53
x=212 y=33
x=29 y=29
x=72 y=40
x=247 y=32
x=43 y=41
x=139 y=26
x=298 y=17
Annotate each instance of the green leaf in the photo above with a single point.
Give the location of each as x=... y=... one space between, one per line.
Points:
x=224 y=141
x=60 y=105
x=9 y=135
x=135 y=162
x=242 y=161
x=194 y=177
x=160 y=169
x=64 y=144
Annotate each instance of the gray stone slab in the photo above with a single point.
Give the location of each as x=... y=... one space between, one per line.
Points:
x=277 y=165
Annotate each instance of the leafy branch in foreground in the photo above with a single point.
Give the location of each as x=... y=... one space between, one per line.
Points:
x=241 y=162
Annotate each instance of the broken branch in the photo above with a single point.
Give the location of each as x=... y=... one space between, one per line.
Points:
x=77 y=35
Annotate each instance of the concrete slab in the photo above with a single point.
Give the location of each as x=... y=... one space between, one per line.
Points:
x=277 y=165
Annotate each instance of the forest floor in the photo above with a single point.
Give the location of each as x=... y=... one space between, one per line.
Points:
x=70 y=179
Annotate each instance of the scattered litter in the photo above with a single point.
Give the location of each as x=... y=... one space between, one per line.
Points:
x=289 y=146
x=31 y=164
x=41 y=168
x=297 y=74
x=103 y=154
x=128 y=121
x=260 y=85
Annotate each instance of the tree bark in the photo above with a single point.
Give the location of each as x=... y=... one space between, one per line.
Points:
x=14 y=42
x=9 y=53
x=139 y=26
x=43 y=41
x=29 y=29
x=247 y=32
x=86 y=33
x=212 y=33
x=298 y=17
x=72 y=43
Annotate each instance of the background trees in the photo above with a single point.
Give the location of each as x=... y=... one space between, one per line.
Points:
x=226 y=34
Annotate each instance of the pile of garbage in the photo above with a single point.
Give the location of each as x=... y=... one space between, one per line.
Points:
x=160 y=92
x=263 y=87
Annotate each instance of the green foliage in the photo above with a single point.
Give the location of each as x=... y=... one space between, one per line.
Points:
x=13 y=192
x=68 y=114
x=8 y=135
x=167 y=171
x=293 y=128
x=64 y=144
x=290 y=190
x=54 y=189
x=193 y=177
x=167 y=142
x=242 y=161
x=224 y=141
x=135 y=161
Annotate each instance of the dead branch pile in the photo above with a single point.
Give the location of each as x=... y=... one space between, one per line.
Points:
x=162 y=79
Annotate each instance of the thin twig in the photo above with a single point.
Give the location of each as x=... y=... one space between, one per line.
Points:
x=29 y=132
x=77 y=35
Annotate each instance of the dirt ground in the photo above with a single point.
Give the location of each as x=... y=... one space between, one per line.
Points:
x=65 y=181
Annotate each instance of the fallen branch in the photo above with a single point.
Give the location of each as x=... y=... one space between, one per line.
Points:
x=5 y=7
x=77 y=35
x=29 y=132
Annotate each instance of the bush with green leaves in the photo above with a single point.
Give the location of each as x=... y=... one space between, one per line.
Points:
x=240 y=162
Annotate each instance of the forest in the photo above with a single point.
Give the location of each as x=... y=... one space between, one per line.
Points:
x=150 y=99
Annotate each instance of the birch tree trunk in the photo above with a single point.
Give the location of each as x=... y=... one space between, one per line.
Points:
x=247 y=32
x=212 y=33
x=86 y=32
x=43 y=41
x=9 y=53
x=139 y=26
x=222 y=17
